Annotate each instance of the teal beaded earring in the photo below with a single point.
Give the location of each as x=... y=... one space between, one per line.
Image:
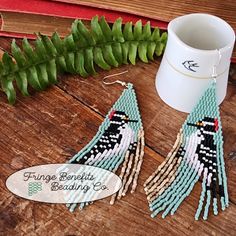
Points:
x=118 y=144
x=198 y=151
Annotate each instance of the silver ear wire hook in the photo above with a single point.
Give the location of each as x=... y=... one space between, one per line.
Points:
x=116 y=81
x=214 y=73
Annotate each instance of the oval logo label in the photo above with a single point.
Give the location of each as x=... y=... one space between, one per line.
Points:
x=63 y=183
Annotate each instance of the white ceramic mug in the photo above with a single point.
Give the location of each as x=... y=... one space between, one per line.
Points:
x=196 y=44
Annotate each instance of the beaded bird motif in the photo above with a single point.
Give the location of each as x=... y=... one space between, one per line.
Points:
x=197 y=152
x=118 y=144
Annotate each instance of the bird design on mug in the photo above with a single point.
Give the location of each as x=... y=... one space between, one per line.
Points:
x=189 y=65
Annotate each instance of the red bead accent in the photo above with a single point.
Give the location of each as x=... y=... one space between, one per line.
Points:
x=216 y=124
x=112 y=114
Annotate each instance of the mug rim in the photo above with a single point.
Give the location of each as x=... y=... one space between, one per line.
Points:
x=222 y=49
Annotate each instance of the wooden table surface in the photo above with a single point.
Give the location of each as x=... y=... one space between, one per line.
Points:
x=166 y=10
x=51 y=126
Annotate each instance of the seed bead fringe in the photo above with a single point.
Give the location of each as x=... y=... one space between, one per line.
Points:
x=198 y=151
x=156 y=186
x=118 y=142
x=140 y=161
x=136 y=167
x=170 y=155
x=133 y=161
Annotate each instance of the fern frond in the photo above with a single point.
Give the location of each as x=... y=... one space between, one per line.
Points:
x=78 y=53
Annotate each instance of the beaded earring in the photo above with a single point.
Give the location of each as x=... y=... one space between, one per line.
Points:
x=198 y=151
x=118 y=144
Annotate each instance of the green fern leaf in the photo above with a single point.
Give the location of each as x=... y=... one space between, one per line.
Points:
x=97 y=31
x=8 y=88
x=22 y=82
x=133 y=52
x=138 y=30
x=99 y=59
x=79 y=64
x=117 y=31
x=105 y=29
x=80 y=52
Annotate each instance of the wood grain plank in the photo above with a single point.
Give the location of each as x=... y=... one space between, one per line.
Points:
x=165 y=10
x=49 y=128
